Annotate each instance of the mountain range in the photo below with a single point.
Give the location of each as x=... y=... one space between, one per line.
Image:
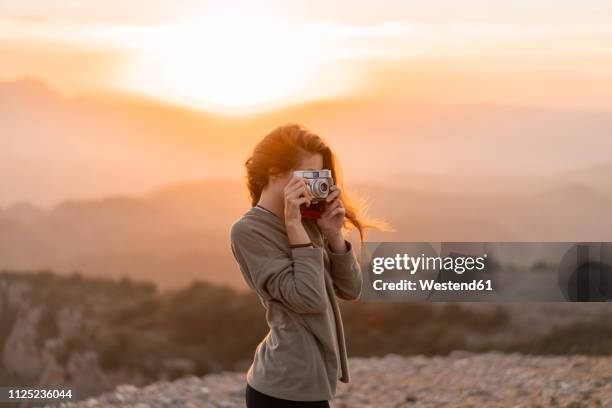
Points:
x=180 y=232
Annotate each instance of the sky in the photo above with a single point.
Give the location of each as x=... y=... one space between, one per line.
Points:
x=243 y=57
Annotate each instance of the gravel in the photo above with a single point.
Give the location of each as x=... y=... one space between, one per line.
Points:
x=459 y=380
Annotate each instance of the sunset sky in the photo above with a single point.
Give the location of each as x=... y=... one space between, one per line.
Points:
x=124 y=96
x=242 y=57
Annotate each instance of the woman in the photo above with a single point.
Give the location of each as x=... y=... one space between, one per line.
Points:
x=297 y=267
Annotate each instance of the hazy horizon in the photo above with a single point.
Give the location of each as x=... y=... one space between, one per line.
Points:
x=98 y=100
x=57 y=148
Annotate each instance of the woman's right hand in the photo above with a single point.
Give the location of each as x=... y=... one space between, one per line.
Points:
x=296 y=194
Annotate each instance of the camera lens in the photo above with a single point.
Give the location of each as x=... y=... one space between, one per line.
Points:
x=319 y=188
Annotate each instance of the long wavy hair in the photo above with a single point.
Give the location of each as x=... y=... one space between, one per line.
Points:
x=281 y=150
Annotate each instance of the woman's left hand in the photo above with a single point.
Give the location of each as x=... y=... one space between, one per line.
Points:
x=332 y=219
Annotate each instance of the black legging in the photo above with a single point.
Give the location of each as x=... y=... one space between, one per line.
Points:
x=256 y=399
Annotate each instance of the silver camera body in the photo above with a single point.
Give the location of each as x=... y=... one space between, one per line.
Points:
x=319 y=182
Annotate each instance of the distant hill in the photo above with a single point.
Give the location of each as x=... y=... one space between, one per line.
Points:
x=170 y=236
x=180 y=232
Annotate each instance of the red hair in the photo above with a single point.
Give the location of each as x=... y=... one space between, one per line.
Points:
x=281 y=150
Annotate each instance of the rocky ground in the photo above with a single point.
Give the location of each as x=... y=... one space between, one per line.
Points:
x=460 y=380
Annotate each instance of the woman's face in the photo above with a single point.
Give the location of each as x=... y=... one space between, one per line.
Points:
x=309 y=161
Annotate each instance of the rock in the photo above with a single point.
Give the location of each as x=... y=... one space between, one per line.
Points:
x=411 y=399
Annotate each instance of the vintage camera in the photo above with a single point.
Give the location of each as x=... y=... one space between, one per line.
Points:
x=319 y=183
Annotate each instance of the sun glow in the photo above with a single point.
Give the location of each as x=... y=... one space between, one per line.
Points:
x=232 y=62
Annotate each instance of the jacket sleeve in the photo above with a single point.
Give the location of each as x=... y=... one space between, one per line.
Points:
x=345 y=272
x=297 y=281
